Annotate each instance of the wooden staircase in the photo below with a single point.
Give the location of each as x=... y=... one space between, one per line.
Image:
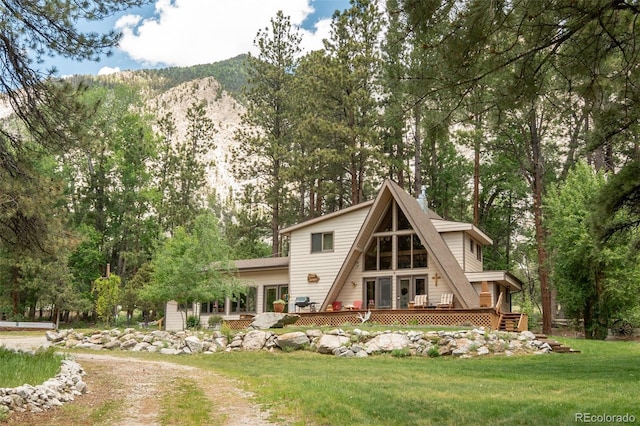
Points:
x=510 y=321
x=515 y=322
x=556 y=346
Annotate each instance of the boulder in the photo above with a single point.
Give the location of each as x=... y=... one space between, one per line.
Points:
x=330 y=342
x=194 y=344
x=254 y=340
x=387 y=342
x=268 y=320
x=53 y=336
x=292 y=341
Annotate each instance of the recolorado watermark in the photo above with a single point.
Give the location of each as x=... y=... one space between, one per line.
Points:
x=604 y=418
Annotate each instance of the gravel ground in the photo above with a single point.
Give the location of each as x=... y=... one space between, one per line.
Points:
x=138 y=387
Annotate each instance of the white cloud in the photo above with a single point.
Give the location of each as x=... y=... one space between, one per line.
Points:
x=189 y=32
x=108 y=70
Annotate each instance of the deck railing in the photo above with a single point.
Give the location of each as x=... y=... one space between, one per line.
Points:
x=481 y=317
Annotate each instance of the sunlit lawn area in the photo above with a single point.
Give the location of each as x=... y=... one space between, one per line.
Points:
x=383 y=390
x=18 y=368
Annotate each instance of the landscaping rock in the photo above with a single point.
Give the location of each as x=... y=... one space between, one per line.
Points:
x=387 y=342
x=329 y=342
x=63 y=387
x=292 y=341
x=357 y=343
x=268 y=320
x=254 y=340
x=194 y=344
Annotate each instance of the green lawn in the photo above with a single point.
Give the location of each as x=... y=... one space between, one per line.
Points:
x=18 y=368
x=384 y=390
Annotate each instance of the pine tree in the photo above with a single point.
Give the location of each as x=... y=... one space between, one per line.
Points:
x=266 y=143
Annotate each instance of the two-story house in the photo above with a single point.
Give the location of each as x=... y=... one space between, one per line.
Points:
x=376 y=255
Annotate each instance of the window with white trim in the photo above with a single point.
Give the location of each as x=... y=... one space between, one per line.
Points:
x=321 y=242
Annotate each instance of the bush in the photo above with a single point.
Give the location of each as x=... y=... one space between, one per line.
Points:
x=433 y=352
x=214 y=320
x=193 y=321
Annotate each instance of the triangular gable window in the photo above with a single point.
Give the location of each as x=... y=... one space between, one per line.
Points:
x=394 y=231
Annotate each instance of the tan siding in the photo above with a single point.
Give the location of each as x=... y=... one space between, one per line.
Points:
x=173 y=317
x=325 y=265
x=454 y=241
x=472 y=264
x=261 y=279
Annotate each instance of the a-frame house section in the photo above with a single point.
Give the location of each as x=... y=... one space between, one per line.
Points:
x=440 y=256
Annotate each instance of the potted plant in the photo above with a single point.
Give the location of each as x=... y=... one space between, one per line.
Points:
x=214 y=322
x=278 y=305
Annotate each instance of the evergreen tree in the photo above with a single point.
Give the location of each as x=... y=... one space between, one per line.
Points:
x=266 y=143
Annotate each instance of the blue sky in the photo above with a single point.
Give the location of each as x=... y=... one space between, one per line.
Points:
x=189 y=32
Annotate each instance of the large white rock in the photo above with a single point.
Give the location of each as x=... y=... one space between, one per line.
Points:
x=254 y=340
x=329 y=342
x=292 y=341
x=268 y=320
x=194 y=344
x=387 y=342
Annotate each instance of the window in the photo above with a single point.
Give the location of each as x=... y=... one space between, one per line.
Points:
x=212 y=307
x=479 y=252
x=321 y=242
x=471 y=245
x=419 y=253
x=379 y=255
x=408 y=252
x=245 y=302
x=411 y=252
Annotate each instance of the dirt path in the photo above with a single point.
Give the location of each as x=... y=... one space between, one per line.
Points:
x=136 y=388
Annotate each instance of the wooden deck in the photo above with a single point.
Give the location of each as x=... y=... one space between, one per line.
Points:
x=480 y=317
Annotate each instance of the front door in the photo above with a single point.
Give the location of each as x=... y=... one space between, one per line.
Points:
x=404 y=293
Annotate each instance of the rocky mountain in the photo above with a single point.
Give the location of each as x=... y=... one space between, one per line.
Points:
x=222 y=109
x=175 y=90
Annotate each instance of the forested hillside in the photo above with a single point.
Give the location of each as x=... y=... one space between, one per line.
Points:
x=520 y=117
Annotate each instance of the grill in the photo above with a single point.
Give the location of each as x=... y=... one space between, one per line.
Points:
x=304 y=301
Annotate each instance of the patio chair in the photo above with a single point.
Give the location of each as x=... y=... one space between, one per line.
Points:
x=357 y=305
x=337 y=305
x=446 y=301
x=420 y=301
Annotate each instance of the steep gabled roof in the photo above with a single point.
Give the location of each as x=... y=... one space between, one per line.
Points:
x=328 y=216
x=420 y=220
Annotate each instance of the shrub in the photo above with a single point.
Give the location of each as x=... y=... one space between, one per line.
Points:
x=433 y=352
x=193 y=321
x=214 y=320
x=226 y=331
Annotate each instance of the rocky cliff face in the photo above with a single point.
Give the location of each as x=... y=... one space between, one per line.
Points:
x=223 y=110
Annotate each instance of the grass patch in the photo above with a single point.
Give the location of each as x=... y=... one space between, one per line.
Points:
x=384 y=390
x=19 y=368
x=185 y=404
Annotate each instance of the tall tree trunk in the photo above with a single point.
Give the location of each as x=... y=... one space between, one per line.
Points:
x=476 y=173
x=417 y=140
x=543 y=273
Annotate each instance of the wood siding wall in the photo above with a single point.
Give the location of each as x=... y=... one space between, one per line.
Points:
x=324 y=265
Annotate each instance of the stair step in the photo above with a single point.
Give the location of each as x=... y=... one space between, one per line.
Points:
x=556 y=346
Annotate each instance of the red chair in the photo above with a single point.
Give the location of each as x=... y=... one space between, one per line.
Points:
x=337 y=305
x=357 y=305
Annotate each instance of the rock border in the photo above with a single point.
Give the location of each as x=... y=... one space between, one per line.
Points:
x=62 y=388
x=357 y=343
